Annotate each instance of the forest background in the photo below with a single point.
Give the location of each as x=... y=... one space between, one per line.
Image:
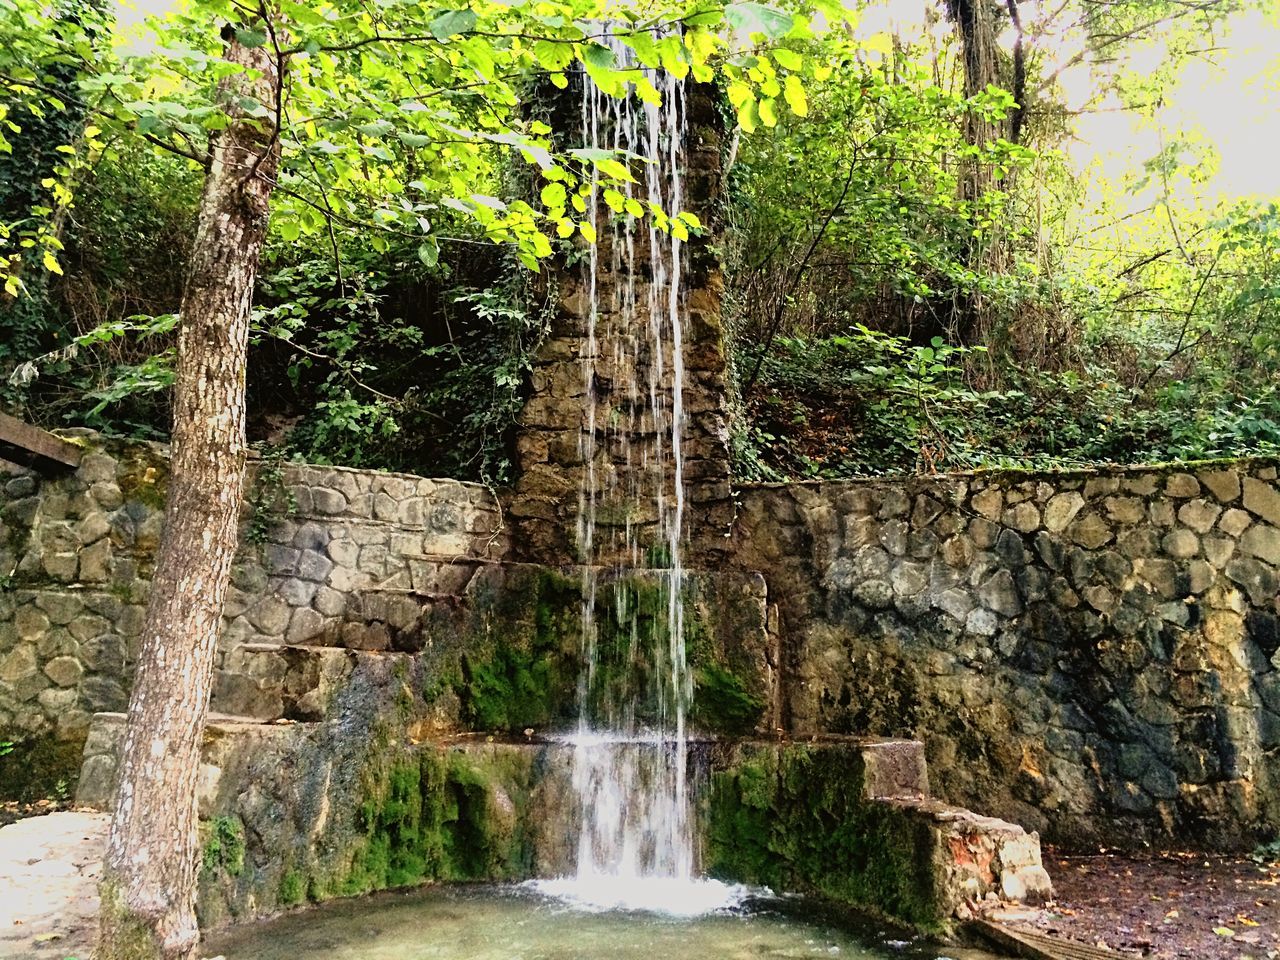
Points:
x=981 y=233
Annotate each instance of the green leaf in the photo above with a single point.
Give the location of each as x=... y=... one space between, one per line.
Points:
x=250 y=37
x=788 y=59
x=553 y=195
x=756 y=18
x=429 y=252
x=793 y=93
x=552 y=56
x=767 y=114
x=598 y=56
x=612 y=168
x=450 y=23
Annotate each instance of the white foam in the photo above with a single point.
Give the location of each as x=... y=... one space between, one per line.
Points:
x=673 y=896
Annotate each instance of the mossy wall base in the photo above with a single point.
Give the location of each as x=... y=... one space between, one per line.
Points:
x=849 y=820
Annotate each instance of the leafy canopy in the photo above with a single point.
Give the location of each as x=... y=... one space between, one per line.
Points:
x=390 y=112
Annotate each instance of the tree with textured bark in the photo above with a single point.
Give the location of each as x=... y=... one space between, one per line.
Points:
x=148 y=885
x=303 y=116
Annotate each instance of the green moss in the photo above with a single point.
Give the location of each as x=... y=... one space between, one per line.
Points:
x=40 y=768
x=790 y=820
x=522 y=655
x=224 y=845
x=432 y=816
x=293 y=888
x=128 y=935
x=722 y=703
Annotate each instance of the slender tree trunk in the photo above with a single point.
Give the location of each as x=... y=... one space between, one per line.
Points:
x=148 y=886
x=975 y=22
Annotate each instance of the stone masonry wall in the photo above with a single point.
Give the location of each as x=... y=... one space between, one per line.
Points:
x=76 y=557
x=1095 y=655
x=546 y=502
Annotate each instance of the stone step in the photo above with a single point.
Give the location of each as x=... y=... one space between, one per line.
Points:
x=1038 y=946
x=982 y=855
x=275 y=681
x=895 y=768
x=226 y=736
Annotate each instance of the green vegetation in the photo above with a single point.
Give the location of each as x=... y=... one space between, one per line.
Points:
x=433 y=814
x=722 y=703
x=796 y=819
x=522 y=655
x=224 y=846
x=395 y=310
x=922 y=274
x=925 y=274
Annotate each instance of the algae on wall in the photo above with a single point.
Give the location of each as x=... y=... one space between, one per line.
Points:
x=513 y=656
x=794 y=819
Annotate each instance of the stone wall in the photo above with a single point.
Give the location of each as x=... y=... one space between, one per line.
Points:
x=622 y=455
x=1094 y=654
x=338 y=548
x=1091 y=654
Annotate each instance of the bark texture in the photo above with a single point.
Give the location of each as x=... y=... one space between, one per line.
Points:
x=148 y=886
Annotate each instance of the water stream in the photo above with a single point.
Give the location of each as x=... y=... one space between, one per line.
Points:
x=636 y=845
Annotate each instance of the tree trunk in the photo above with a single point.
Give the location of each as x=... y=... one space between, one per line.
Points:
x=975 y=22
x=149 y=883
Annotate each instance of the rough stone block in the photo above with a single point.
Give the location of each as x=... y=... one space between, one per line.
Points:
x=1090 y=531
x=1262 y=542
x=988 y=503
x=64 y=671
x=1182 y=486
x=1181 y=544
x=1263 y=500
x=1223 y=484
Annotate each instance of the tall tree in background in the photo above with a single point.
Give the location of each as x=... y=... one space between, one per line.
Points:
x=148 y=886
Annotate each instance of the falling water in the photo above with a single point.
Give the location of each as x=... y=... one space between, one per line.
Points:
x=631 y=750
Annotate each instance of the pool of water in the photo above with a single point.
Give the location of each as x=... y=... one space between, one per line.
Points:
x=519 y=923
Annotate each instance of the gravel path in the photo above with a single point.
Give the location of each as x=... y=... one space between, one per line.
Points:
x=49 y=869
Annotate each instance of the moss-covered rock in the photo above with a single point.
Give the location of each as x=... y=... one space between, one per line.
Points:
x=798 y=818
x=512 y=656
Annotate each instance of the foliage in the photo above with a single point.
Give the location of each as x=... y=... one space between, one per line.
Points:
x=224 y=848
x=864 y=403
x=1134 y=320
x=269 y=499
x=869 y=175
x=389 y=331
x=44 y=142
x=395 y=128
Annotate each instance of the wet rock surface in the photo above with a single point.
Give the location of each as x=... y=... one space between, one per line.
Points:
x=1091 y=654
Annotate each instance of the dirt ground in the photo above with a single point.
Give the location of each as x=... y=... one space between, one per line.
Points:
x=1172 y=906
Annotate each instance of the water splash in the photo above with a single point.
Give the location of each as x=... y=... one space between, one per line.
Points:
x=636 y=845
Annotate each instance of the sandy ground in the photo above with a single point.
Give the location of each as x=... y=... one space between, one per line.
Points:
x=49 y=869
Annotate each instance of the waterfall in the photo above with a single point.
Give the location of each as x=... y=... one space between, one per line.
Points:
x=636 y=845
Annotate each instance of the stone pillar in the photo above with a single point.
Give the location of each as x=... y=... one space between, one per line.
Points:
x=546 y=502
